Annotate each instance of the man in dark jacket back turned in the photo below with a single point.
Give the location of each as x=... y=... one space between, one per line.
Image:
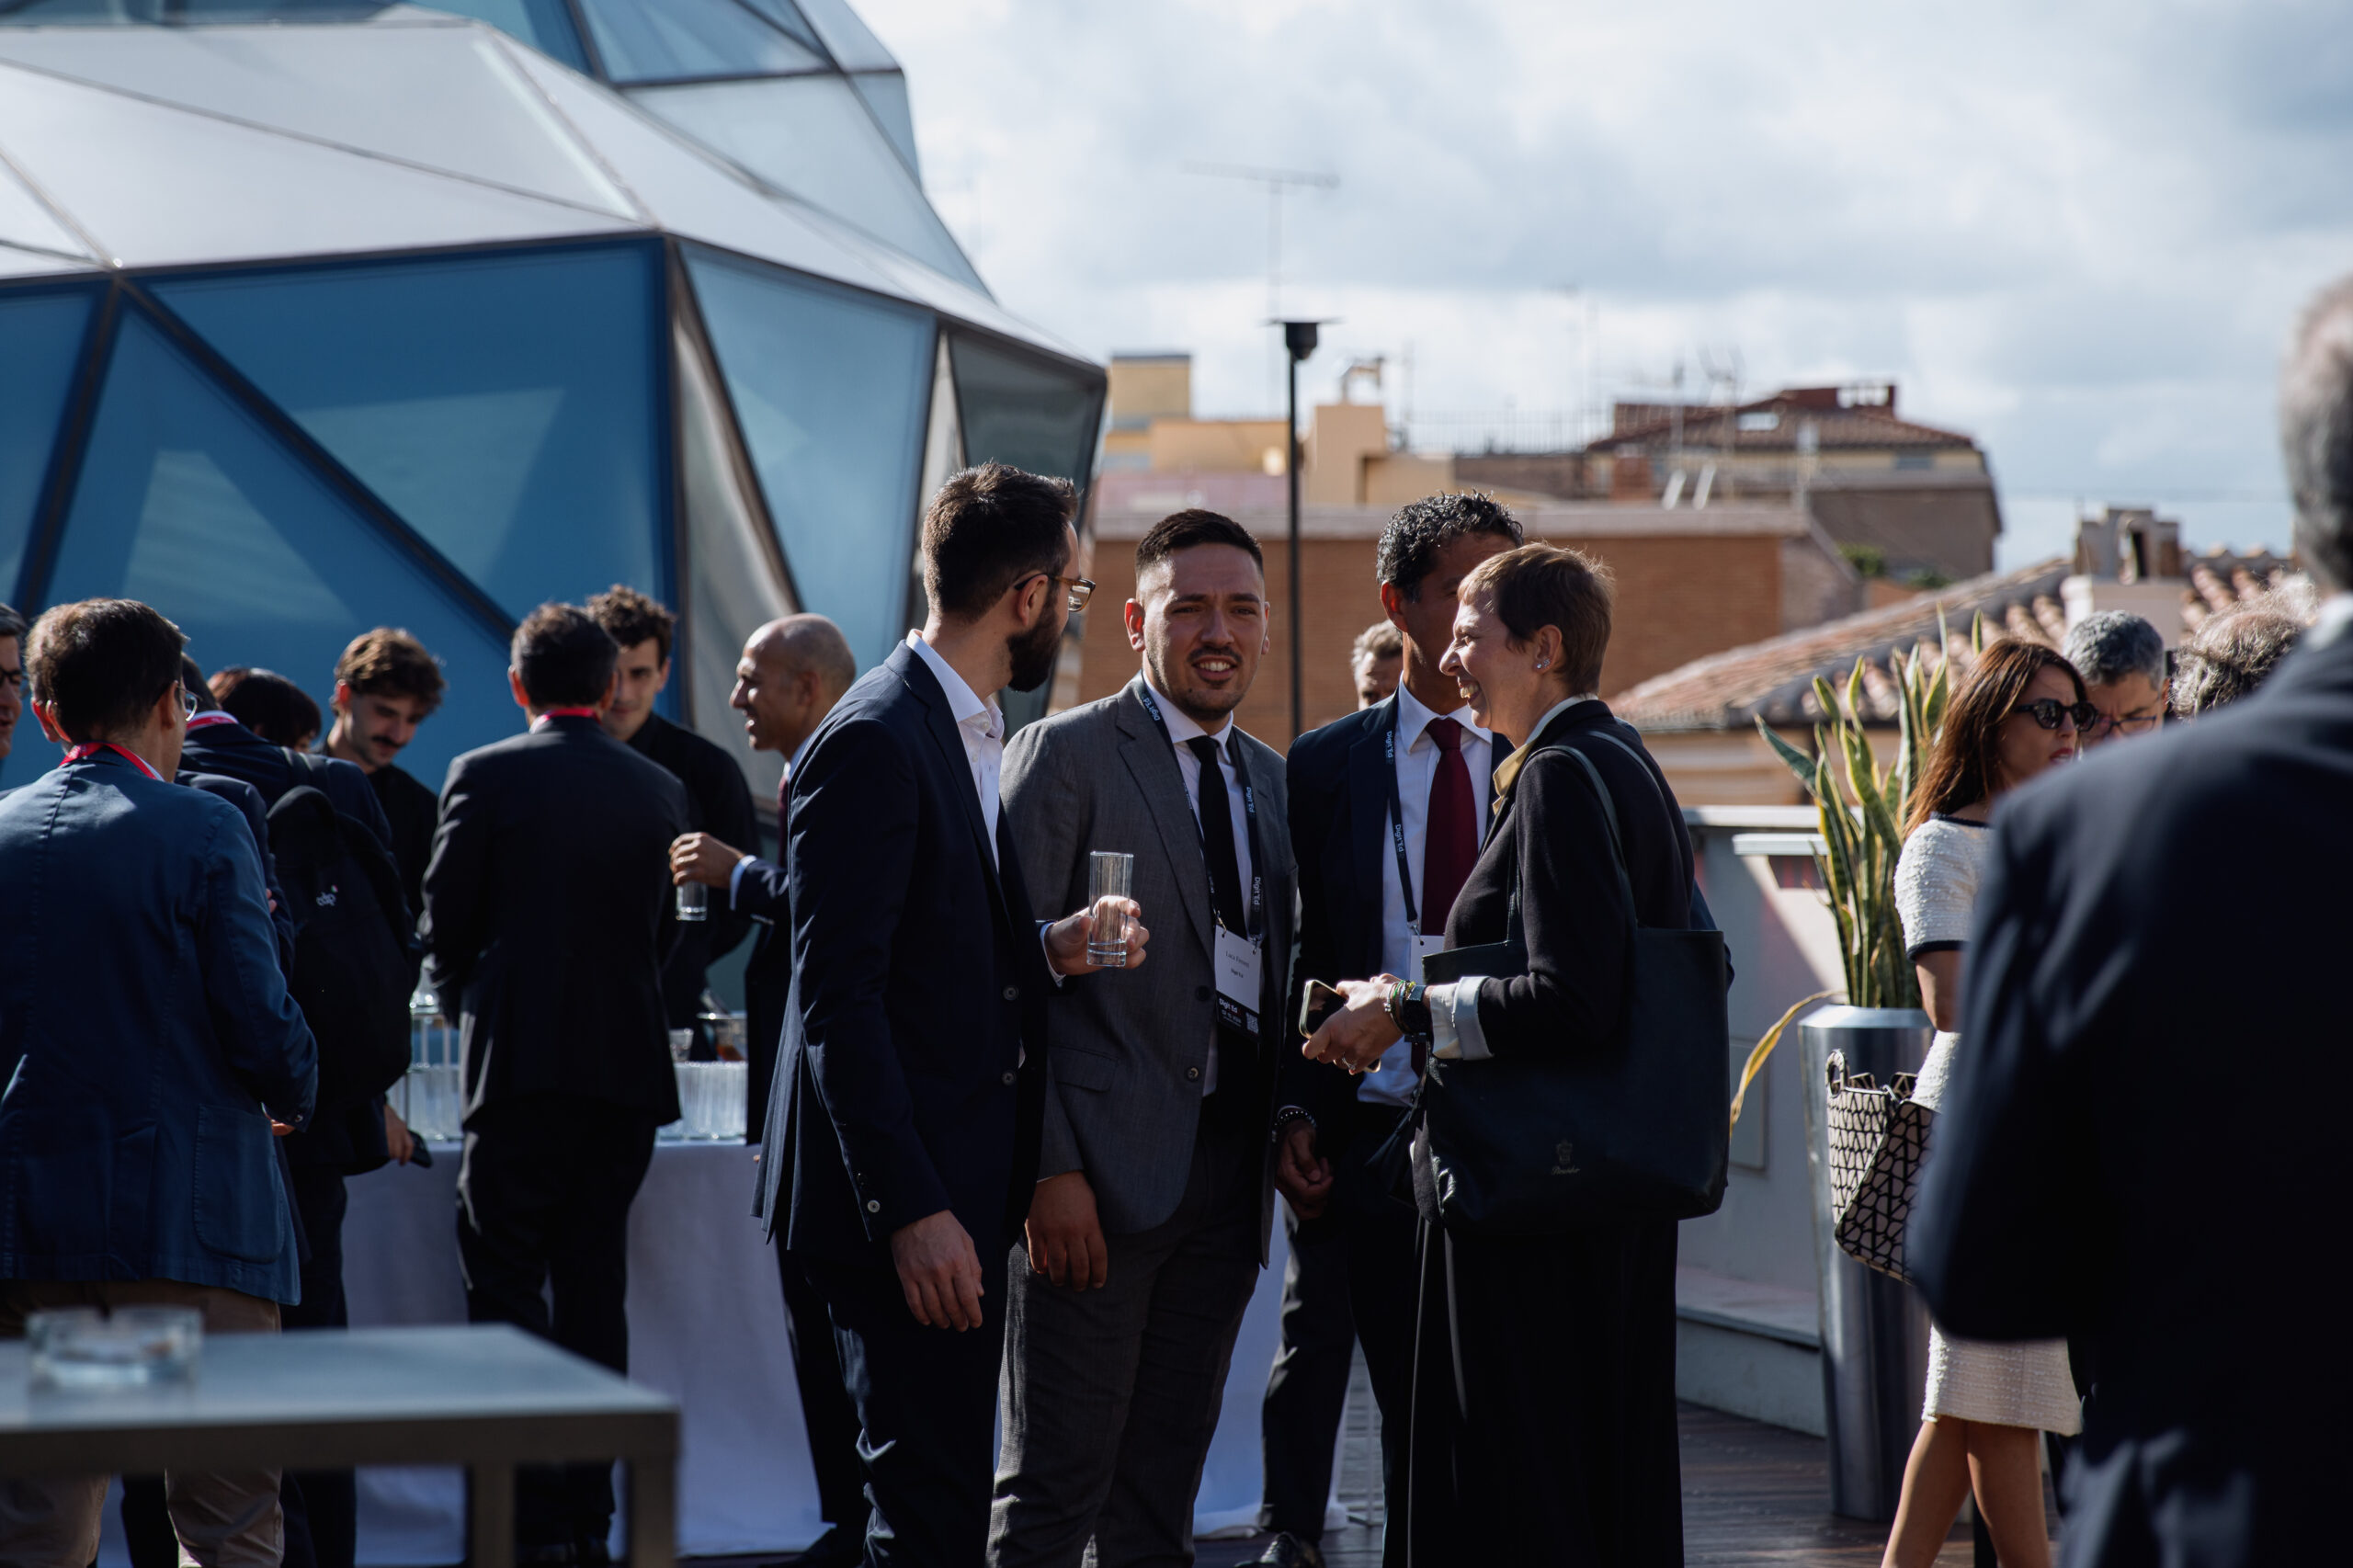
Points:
x=546 y=913
x=718 y=799
x=148 y=1044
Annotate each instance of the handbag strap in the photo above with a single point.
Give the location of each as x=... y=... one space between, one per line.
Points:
x=1617 y=838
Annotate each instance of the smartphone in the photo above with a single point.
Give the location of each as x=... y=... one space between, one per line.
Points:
x=1317 y=1003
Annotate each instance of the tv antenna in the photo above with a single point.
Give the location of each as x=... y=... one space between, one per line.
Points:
x=1278 y=183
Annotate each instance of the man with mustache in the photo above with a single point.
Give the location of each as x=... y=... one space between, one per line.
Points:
x=1155 y=1198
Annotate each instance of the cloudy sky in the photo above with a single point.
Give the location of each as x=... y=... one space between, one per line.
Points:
x=2078 y=233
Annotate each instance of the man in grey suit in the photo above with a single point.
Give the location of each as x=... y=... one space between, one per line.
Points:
x=1156 y=1193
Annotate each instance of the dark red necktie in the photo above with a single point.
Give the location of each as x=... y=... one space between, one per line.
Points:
x=1450 y=834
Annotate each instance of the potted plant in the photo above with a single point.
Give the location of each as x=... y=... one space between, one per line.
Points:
x=1874 y=1330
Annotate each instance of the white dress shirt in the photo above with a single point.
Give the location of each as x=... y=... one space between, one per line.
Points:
x=1181 y=728
x=1393 y=1082
x=1455 y=1033
x=980 y=725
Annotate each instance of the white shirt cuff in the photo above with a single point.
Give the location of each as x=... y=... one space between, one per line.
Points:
x=736 y=878
x=1057 y=975
x=1455 y=1033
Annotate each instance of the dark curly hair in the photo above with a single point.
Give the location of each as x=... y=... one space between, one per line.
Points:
x=1409 y=545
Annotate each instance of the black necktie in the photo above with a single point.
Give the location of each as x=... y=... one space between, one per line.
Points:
x=1217 y=839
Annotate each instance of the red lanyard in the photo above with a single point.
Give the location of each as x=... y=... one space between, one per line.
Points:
x=547 y=713
x=84 y=753
x=206 y=719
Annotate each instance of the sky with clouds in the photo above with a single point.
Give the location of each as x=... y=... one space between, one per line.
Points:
x=2079 y=232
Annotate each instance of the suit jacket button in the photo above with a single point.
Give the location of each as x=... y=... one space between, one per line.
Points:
x=1192 y=1074
x=1013 y=993
x=1008 y=1080
x=872 y=1207
x=1200 y=992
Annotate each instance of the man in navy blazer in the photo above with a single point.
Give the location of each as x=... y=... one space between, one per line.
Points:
x=1353 y=1274
x=793 y=672
x=2142 y=1147
x=903 y=1128
x=148 y=1043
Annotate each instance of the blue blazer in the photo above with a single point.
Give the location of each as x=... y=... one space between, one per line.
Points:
x=147 y=1038
x=2143 y=1147
x=918 y=984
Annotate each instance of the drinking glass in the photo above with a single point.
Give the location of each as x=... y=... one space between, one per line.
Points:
x=1109 y=875
x=78 y=1348
x=694 y=901
x=682 y=1044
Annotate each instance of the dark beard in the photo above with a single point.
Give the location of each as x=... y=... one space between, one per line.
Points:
x=1035 y=653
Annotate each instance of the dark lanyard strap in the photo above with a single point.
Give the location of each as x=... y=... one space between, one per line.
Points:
x=1397 y=818
x=1257 y=916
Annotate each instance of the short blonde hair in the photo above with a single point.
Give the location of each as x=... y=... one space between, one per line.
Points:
x=1539 y=586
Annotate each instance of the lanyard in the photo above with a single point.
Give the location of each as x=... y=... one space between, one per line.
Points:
x=1249 y=816
x=209 y=718
x=1397 y=817
x=84 y=752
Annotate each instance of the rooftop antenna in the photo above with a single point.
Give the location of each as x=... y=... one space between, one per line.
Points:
x=1279 y=183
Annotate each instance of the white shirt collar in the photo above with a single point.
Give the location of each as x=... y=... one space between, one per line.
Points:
x=1414 y=719
x=962 y=704
x=2335 y=615
x=1181 y=725
x=1555 y=711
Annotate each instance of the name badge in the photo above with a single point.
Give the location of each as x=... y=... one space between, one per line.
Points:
x=1423 y=948
x=1238 y=977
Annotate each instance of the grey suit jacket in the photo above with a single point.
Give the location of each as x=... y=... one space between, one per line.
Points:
x=1126 y=1050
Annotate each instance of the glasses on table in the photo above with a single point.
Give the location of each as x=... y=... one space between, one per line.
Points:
x=2046 y=711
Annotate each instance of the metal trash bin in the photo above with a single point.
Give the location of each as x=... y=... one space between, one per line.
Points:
x=1874 y=1329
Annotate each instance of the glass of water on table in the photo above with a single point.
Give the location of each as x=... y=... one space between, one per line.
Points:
x=1109 y=875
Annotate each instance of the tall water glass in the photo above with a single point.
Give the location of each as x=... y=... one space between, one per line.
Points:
x=694 y=901
x=1109 y=875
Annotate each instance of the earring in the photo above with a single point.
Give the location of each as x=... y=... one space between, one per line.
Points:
x=1541 y=663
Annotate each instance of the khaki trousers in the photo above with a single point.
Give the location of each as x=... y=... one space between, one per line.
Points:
x=223 y=1521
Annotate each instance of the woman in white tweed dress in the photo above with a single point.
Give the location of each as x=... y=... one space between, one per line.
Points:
x=1987 y=1403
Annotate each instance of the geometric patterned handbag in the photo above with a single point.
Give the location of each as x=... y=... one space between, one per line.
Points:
x=1876 y=1137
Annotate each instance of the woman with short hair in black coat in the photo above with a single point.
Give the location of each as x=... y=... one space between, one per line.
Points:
x=1544 y=1366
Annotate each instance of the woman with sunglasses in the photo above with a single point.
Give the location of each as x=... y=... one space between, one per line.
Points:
x=2020 y=711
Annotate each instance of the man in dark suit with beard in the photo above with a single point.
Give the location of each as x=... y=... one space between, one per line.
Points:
x=903 y=1127
x=791 y=674
x=547 y=911
x=2138 y=1149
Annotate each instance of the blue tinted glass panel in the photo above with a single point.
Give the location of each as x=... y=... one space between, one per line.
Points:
x=655 y=40
x=503 y=405
x=850 y=40
x=885 y=93
x=543 y=24
x=786 y=14
x=188 y=503
x=1026 y=412
x=829 y=388
x=39 y=337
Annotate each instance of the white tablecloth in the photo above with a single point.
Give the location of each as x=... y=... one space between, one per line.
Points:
x=706 y=1326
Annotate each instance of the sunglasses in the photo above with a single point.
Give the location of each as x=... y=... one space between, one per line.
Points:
x=2046 y=711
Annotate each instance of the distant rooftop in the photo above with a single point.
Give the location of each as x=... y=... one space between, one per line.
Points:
x=1840 y=417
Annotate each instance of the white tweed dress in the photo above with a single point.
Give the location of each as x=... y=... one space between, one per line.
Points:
x=2016 y=1384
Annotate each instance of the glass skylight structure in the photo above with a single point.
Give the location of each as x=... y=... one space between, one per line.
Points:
x=312 y=320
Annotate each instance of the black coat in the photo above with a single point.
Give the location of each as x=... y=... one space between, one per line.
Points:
x=2142 y=1147
x=918 y=985
x=547 y=911
x=1566 y=1451
x=719 y=803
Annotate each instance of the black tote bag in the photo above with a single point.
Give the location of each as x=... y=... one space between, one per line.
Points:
x=1542 y=1143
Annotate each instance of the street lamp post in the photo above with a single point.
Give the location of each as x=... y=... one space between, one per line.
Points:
x=1298 y=338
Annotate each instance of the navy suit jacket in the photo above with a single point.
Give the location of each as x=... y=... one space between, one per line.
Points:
x=765 y=892
x=918 y=985
x=2143 y=1147
x=1338 y=779
x=548 y=913
x=147 y=1038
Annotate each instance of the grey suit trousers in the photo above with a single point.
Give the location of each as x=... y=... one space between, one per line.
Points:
x=1110 y=1396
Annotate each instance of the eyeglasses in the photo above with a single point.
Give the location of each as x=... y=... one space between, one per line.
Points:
x=2129 y=725
x=2046 y=711
x=187 y=702
x=1081 y=589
